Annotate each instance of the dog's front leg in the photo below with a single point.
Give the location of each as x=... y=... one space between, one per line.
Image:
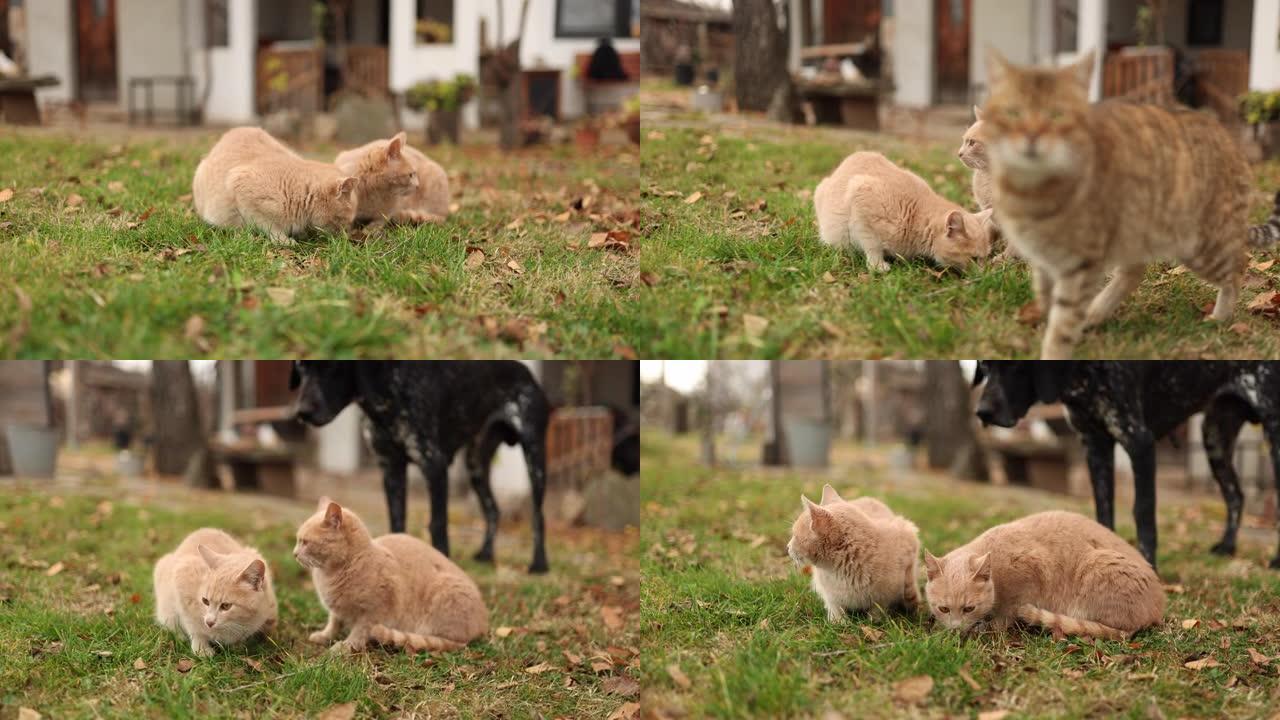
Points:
x=1100 y=456
x=393 y=485
x=436 y=473
x=1142 y=452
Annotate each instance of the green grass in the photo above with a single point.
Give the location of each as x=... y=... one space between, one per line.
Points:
x=88 y=284
x=722 y=603
x=724 y=257
x=69 y=642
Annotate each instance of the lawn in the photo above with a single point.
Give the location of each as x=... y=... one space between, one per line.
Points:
x=78 y=638
x=740 y=271
x=101 y=254
x=743 y=635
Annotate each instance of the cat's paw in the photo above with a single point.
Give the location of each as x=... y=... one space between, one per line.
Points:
x=346 y=647
x=320 y=637
x=202 y=649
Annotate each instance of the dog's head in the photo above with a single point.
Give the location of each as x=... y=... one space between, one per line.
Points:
x=324 y=388
x=1013 y=386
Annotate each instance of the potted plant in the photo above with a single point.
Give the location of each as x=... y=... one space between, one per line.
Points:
x=631 y=118
x=442 y=100
x=1261 y=110
x=33 y=447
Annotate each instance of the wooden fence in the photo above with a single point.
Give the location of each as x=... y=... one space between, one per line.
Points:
x=1142 y=74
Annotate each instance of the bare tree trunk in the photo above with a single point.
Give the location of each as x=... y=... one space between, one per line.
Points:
x=948 y=430
x=179 y=432
x=760 y=77
x=508 y=77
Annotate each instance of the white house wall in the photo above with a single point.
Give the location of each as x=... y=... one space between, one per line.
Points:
x=913 y=52
x=1022 y=32
x=231 y=98
x=1264 y=61
x=150 y=37
x=51 y=47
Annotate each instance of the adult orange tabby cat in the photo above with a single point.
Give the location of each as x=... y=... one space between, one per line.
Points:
x=1081 y=189
x=418 y=190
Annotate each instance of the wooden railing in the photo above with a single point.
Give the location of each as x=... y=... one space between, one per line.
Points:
x=1142 y=74
x=367 y=70
x=1222 y=77
x=579 y=445
x=290 y=79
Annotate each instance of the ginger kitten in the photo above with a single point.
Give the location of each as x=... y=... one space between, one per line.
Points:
x=397 y=182
x=1081 y=189
x=215 y=590
x=250 y=178
x=870 y=202
x=1056 y=569
x=861 y=553
x=394 y=589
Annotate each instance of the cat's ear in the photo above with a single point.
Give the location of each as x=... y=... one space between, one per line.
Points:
x=333 y=515
x=211 y=558
x=819 y=518
x=323 y=502
x=1082 y=69
x=955 y=224
x=829 y=495
x=981 y=567
x=253 y=575
x=977 y=113
x=997 y=66
x=932 y=567
x=344 y=186
x=396 y=146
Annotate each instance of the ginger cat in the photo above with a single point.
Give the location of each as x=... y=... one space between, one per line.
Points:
x=1056 y=569
x=973 y=153
x=395 y=589
x=250 y=178
x=215 y=590
x=882 y=208
x=861 y=553
x=403 y=186
x=1081 y=189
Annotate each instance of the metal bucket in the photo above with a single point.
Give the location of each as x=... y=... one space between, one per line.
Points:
x=33 y=450
x=808 y=441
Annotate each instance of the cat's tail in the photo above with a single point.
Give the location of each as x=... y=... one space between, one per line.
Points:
x=1068 y=625
x=1268 y=233
x=412 y=642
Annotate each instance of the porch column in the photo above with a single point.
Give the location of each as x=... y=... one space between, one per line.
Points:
x=242 y=39
x=1264 y=56
x=1091 y=34
x=796 y=34
x=914 y=53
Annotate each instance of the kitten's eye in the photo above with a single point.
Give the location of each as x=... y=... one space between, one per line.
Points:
x=944 y=609
x=968 y=609
x=204 y=600
x=224 y=606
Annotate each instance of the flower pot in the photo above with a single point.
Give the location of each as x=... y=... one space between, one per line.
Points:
x=33 y=450
x=442 y=126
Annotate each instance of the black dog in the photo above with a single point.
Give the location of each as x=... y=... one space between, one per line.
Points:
x=1135 y=404
x=424 y=412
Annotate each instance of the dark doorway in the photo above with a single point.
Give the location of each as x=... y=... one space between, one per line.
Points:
x=96 y=50
x=951 y=18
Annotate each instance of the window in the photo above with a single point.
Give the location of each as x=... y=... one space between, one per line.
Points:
x=435 y=22
x=215 y=23
x=596 y=18
x=1204 y=22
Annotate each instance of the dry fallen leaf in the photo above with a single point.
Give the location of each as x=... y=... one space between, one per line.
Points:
x=139 y=664
x=625 y=351
x=612 y=616
x=26 y=713
x=993 y=715
x=54 y=569
x=1265 y=303
x=281 y=296
x=1258 y=658
x=6 y=195
x=622 y=686
x=1201 y=664
x=754 y=325
x=115 y=186
x=627 y=711
x=871 y=633
x=503 y=631
x=185 y=665
x=913 y=690
x=1263 y=266
x=539 y=668
x=254 y=664
x=678 y=677
x=968 y=680
x=74 y=200
x=475 y=259
x=1239 y=328
x=1030 y=313
x=1190 y=623
x=345 y=711
x=827 y=277
x=695 y=197
x=194 y=332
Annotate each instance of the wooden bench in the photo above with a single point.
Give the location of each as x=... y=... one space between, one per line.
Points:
x=257 y=467
x=835 y=100
x=18 y=99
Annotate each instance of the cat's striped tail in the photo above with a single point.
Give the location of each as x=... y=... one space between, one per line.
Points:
x=412 y=642
x=1068 y=625
x=1268 y=233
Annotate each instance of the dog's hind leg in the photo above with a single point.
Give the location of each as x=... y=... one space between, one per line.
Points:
x=1222 y=423
x=393 y=462
x=479 y=456
x=535 y=457
x=1100 y=456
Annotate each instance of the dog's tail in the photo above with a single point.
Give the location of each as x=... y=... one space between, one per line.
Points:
x=1268 y=233
x=412 y=642
x=1068 y=625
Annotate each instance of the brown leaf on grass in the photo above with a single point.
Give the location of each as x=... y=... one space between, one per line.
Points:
x=1175 y=589
x=6 y=195
x=55 y=569
x=612 y=616
x=281 y=296
x=913 y=690
x=345 y=711
x=625 y=351
x=993 y=715
x=968 y=680
x=1201 y=664
x=695 y=197
x=184 y=199
x=827 y=277
x=74 y=200
x=139 y=664
x=26 y=713
x=503 y=631
x=678 y=677
x=1190 y=623
x=193 y=332
x=870 y=633
x=621 y=686
x=754 y=325
x=831 y=328
x=539 y=668
x=475 y=258
x=1178 y=270
x=649 y=278
x=627 y=711
x=1263 y=266
x=254 y=664
x=1030 y=313
x=600 y=666
x=115 y=186
x=185 y=665
x=23 y=326
x=1267 y=303
x=1239 y=328
x=1258 y=658
x=515 y=267
x=572 y=658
